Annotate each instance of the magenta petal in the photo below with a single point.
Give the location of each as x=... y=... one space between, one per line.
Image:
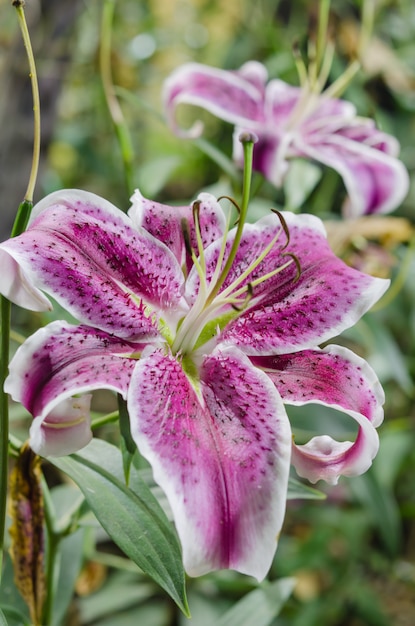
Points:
x=91 y=259
x=288 y=314
x=220 y=451
x=236 y=97
x=57 y=362
x=376 y=182
x=337 y=378
x=166 y=223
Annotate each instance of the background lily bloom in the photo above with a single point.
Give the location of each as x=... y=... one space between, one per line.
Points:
x=206 y=340
x=294 y=122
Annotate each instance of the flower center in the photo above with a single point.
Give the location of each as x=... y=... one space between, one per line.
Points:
x=215 y=306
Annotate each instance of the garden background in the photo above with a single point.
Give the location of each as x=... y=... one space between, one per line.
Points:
x=352 y=554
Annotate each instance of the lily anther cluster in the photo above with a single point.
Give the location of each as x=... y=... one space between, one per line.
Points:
x=207 y=332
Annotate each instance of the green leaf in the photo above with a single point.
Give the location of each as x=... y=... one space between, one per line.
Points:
x=154 y=174
x=381 y=505
x=261 y=606
x=133 y=519
x=14 y=617
x=121 y=592
x=301 y=179
x=298 y=490
x=71 y=557
x=218 y=157
x=128 y=446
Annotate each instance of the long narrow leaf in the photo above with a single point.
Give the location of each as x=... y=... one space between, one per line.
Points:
x=133 y=519
x=261 y=606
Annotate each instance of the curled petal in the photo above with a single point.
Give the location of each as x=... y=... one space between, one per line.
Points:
x=166 y=223
x=57 y=362
x=338 y=378
x=220 y=451
x=236 y=97
x=66 y=429
x=95 y=264
x=376 y=182
x=288 y=313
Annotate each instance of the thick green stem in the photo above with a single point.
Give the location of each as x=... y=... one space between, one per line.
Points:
x=120 y=127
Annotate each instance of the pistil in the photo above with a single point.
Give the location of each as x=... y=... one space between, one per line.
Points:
x=211 y=306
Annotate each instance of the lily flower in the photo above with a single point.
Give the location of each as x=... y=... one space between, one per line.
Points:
x=206 y=332
x=293 y=122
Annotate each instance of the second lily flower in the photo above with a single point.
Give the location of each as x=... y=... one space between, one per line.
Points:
x=295 y=122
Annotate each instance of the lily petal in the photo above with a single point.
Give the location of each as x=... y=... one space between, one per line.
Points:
x=66 y=429
x=235 y=96
x=376 y=182
x=338 y=378
x=288 y=313
x=221 y=452
x=166 y=223
x=95 y=264
x=55 y=363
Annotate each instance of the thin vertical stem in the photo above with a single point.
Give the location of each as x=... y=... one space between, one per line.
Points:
x=19 y=4
x=117 y=116
x=4 y=419
x=20 y=223
x=52 y=556
x=323 y=21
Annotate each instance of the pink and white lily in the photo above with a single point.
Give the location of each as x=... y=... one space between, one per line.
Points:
x=206 y=341
x=294 y=122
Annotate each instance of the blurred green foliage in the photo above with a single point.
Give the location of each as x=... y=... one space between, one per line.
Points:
x=351 y=556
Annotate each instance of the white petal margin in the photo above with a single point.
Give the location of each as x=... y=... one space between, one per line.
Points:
x=227 y=494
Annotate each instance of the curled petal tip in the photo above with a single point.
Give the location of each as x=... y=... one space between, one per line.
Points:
x=66 y=429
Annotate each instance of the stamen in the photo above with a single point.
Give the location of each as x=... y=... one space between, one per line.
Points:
x=235 y=204
x=196 y=218
x=186 y=236
x=230 y=289
x=248 y=297
x=326 y=65
x=299 y=64
x=297 y=263
x=284 y=226
x=340 y=84
x=270 y=274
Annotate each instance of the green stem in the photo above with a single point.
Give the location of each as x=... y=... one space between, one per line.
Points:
x=109 y=418
x=4 y=420
x=368 y=17
x=120 y=127
x=323 y=20
x=52 y=561
x=248 y=147
x=20 y=224
x=36 y=100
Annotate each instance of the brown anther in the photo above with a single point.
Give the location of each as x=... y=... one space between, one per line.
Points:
x=284 y=226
